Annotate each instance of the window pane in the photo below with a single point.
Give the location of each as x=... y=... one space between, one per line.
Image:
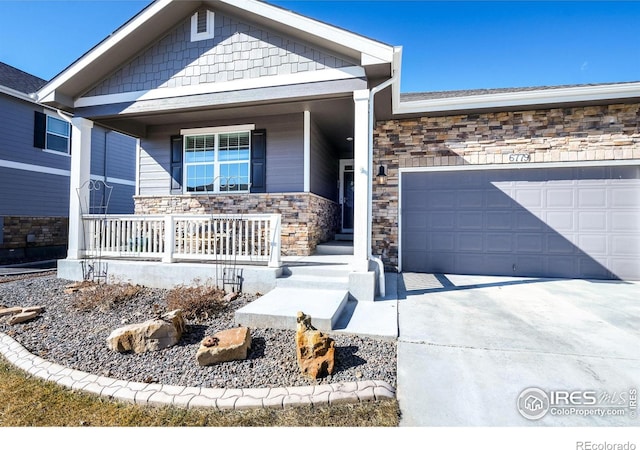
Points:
x=200 y=178
x=57 y=143
x=193 y=156
x=234 y=177
x=57 y=126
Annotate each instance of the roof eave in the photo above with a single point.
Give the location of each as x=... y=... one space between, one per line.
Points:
x=543 y=97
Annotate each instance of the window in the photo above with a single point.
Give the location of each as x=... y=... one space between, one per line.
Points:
x=57 y=136
x=202 y=25
x=51 y=133
x=217 y=162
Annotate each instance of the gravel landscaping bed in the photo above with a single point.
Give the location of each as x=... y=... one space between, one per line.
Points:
x=74 y=338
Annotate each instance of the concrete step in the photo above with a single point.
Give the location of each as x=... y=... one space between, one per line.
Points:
x=344 y=237
x=329 y=270
x=313 y=282
x=335 y=248
x=279 y=307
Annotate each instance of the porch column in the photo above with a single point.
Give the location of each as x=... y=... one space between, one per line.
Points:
x=362 y=181
x=78 y=183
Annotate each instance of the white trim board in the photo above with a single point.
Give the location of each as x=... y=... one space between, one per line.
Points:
x=314 y=76
x=542 y=165
x=34 y=168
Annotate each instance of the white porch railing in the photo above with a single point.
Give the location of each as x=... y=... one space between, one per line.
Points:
x=220 y=237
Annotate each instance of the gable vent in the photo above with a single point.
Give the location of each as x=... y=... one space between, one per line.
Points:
x=202 y=25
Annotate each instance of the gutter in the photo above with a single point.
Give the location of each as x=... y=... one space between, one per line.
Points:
x=372 y=94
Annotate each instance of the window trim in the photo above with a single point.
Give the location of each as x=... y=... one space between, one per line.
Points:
x=209 y=33
x=216 y=132
x=47 y=132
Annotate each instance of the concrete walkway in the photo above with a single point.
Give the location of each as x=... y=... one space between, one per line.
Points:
x=193 y=397
x=470 y=346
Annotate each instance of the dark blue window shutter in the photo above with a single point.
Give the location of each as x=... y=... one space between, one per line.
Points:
x=40 y=130
x=259 y=161
x=176 y=165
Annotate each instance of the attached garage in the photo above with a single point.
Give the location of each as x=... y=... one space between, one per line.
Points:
x=546 y=221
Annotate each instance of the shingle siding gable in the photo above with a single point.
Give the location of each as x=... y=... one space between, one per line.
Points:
x=238 y=51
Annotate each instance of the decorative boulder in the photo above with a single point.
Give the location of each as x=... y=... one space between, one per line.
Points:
x=315 y=350
x=226 y=345
x=20 y=315
x=152 y=335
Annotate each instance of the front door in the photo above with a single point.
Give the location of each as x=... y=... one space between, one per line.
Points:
x=346 y=194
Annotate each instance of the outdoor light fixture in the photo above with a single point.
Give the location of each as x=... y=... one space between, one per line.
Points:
x=382 y=176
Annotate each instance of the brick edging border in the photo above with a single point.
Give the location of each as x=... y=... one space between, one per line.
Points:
x=193 y=397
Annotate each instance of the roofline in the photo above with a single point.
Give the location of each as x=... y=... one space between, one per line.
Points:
x=17 y=94
x=101 y=47
x=537 y=97
x=372 y=52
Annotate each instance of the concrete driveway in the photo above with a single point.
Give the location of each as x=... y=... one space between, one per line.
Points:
x=469 y=348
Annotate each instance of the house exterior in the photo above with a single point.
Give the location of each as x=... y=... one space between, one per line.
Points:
x=34 y=171
x=240 y=107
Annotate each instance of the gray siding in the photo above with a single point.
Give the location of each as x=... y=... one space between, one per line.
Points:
x=285 y=156
x=27 y=193
x=34 y=192
x=16 y=126
x=324 y=165
x=120 y=157
x=238 y=51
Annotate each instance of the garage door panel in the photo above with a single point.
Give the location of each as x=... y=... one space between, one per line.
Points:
x=469 y=242
x=558 y=222
x=625 y=245
x=439 y=199
x=470 y=220
x=416 y=240
x=527 y=221
x=499 y=242
x=442 y=220
x=499 y=220
x=625 y=197
x=529 y=243
x=593 y=244
x=529 y=198
x=559 y=198
x=497 y=199
x=442 y=242
x=470 y=199
x=624 y=221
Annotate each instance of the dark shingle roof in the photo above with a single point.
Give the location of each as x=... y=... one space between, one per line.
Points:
x=417 y=96
x=18 y=80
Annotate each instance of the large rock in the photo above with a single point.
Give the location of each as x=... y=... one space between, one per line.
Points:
x=226 y=345
x=315 y=350
x=151 y=335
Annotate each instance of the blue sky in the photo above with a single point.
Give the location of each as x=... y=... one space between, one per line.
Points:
x=447 y=45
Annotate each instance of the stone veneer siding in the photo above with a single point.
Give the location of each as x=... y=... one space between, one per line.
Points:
x=49 y=238
x=307 y=219
x=591 y=133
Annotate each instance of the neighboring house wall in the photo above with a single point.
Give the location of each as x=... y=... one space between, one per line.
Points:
x=590 y=133
x=240 y=51
x=285 y=154
x=34 y=183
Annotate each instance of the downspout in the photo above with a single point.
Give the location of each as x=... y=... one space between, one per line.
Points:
x=380 y=265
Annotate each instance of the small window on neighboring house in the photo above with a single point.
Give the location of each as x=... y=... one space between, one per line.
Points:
x=51 y=133
x=202 y=25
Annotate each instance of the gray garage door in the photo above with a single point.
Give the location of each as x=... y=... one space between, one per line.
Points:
x=560 y=222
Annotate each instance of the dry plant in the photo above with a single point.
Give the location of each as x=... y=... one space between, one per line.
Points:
x=198 y=301
x=89 y=296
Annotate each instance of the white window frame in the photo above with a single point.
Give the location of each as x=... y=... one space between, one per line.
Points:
x=47 y=132
x=216 y=132
x=209 y=33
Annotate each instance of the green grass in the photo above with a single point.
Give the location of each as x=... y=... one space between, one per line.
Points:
x=26 y=401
